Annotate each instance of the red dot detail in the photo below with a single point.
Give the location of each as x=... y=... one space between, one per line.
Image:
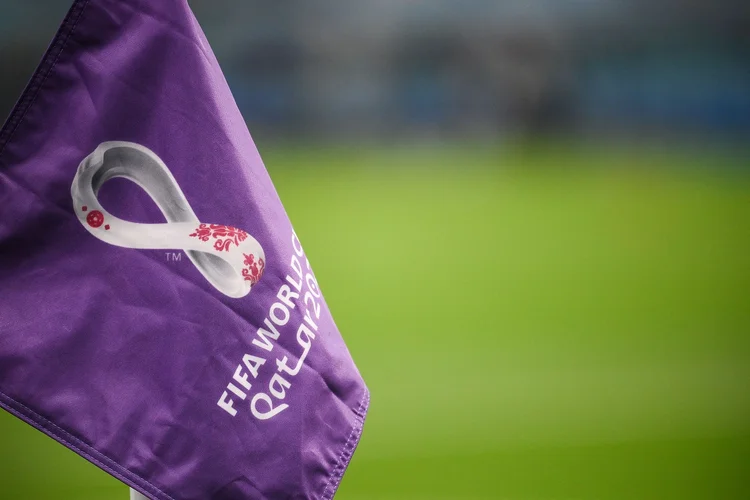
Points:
x=84 y=208
x=106 y=227
x=95 y=218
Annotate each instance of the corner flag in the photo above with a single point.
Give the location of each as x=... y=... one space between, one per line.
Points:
x=158 y=314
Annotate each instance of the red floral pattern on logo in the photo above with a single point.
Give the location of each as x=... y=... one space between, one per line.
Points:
x=224 y=235
x=253 y=269
x=95 y=218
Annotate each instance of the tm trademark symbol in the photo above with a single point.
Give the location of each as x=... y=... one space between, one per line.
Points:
x=173 y=256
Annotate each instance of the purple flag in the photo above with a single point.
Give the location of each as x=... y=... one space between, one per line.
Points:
x=158 y=314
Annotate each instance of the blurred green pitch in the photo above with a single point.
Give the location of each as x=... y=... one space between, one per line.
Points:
x=547 y=324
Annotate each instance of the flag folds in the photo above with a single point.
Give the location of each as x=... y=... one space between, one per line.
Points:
x=158 y=314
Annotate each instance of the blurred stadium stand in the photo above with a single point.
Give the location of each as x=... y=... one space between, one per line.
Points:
x=475 y=68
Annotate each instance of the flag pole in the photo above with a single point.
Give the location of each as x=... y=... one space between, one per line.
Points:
x=134 y=495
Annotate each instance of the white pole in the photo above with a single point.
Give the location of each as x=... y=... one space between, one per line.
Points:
x=134 y=495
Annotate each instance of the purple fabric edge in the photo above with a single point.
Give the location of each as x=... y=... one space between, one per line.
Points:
x=140 y=484
x=347 y=452
x=74 y=444
x=42 y=71
x=26 y=414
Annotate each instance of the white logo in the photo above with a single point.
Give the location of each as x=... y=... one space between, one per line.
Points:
x=229 y=258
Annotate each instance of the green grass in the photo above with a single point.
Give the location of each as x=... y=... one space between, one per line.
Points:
x=551 y=323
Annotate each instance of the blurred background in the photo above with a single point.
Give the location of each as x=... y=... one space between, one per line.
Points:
x=531 y=221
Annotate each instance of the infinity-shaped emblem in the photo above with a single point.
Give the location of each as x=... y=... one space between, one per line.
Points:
x=229 y=258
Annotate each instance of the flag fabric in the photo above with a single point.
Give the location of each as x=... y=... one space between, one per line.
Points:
x=159 y=316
